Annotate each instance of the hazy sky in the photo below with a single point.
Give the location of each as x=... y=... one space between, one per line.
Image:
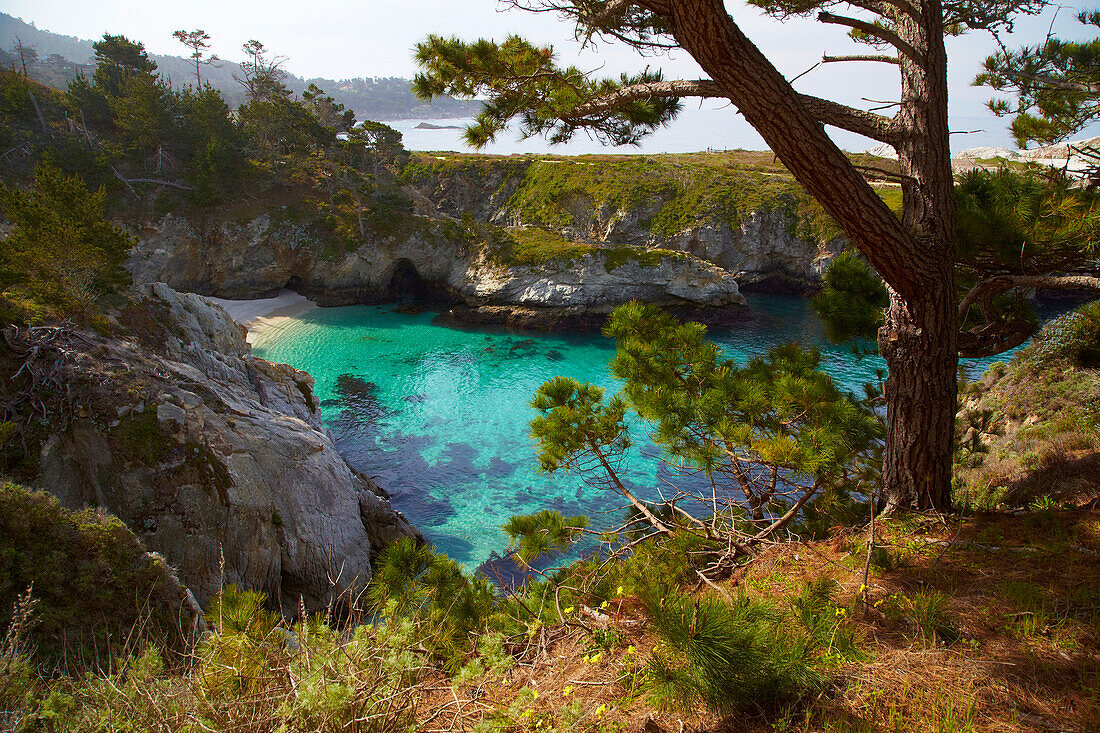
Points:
x=337 y=39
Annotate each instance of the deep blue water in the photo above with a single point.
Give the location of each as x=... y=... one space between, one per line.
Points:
x=439 y=415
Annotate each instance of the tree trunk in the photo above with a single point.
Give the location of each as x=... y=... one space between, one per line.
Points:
x=920 y=337
x=918 y=342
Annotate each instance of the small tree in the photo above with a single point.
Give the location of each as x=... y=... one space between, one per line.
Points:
x=264 y=76
x=118 y=59
x=62 y=254
x=327 y=110
x=24 y=53
x=198 y=42
x=761 y=440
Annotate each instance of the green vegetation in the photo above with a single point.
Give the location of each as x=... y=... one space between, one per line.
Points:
x=1053 y=82
x=1028 y=431
x=416 y=583
x=95 y=590
x=62 y=256
x=672 y=192
x=58 y=59
x=770 y=435
x=1013 y=226
x=851 y=301
x=732 y=654
x=534 y=246
x=147 y=149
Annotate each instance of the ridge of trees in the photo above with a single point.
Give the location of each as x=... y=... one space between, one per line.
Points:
x=124 y=131
x=59 y=59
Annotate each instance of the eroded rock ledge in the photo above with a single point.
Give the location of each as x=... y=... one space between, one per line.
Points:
x=215 y=458
x=488 y=274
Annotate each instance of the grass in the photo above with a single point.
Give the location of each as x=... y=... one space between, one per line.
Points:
x=1029 y=430
x=94 y=585
x=535 y=246
x=960 y=635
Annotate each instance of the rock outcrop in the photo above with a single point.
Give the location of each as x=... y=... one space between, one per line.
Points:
x=215 y=458
x=432 y=259
x=757 y=226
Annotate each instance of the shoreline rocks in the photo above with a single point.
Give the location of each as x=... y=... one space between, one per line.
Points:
x=216 y=459
x=428 y=261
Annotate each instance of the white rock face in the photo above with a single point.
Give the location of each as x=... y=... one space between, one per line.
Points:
x=234 y=480
x=256 y=260
x=589 y=283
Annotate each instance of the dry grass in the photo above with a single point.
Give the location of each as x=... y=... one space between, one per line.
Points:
x=1023 y=592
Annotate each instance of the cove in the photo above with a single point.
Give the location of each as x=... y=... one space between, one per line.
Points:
x=438 y=415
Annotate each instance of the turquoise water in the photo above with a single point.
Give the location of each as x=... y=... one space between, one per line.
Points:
x=439 y=415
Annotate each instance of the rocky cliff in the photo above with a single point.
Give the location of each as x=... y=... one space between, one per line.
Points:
x=740 y=212
x=529 y=240
x=215 y=458
x=489 y=273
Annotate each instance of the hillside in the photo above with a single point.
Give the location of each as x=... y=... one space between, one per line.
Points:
x=371 y=98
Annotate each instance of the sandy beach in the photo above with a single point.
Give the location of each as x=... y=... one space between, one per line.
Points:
x=262 y=316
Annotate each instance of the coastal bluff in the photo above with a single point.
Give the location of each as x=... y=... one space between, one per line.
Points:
x=529 y=241
x=215 y=458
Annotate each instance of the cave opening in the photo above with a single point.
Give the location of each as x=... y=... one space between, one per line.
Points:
x=295 y=284
x=406 y=286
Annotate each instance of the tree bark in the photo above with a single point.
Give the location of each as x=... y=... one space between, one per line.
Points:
x=919 y=339
x=918 y=343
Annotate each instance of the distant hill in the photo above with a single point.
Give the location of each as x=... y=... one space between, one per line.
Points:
x=61 y=58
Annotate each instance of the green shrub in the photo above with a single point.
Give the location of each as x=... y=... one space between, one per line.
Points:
x=62 y=254
x=94 y=584
x=412 y=581
x=728 y=655
x=1074 y=337
x=929 y=611
x=252 y=673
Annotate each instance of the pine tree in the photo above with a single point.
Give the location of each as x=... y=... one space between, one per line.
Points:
x=767 y=436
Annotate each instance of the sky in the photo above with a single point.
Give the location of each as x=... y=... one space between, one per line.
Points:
x=373 y=38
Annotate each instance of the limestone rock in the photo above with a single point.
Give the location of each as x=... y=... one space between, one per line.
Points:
x=431 y=259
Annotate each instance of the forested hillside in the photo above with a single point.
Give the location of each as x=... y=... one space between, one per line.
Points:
x=55 y=60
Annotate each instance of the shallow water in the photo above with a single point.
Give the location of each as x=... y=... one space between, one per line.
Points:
x=439 y=415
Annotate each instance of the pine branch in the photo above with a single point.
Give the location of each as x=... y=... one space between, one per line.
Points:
x=986 y=289
x=1052 y=82
x=999 y=334
x=861 y=57
x=883 y=34
x=826 y=111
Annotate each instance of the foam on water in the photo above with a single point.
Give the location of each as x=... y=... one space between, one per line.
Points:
x=439 y=415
